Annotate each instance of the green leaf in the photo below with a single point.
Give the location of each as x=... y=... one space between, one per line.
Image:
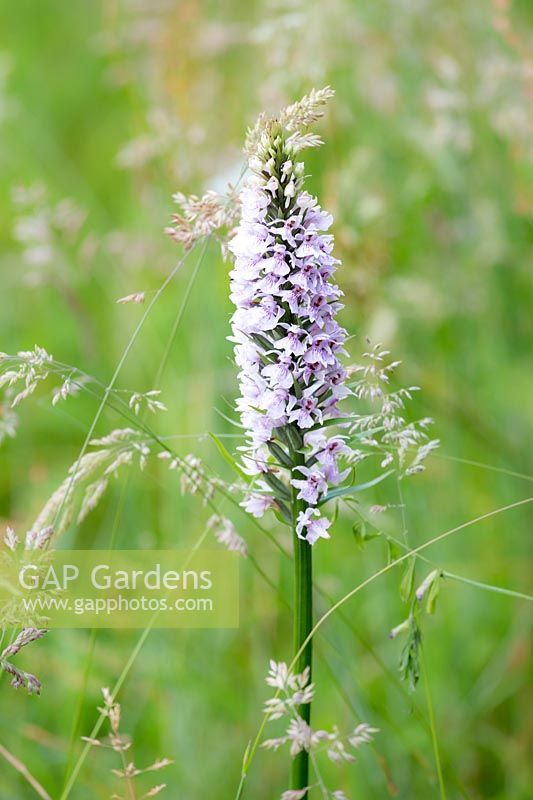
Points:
x=282 y=513
x=229 y=458
x=353 y=489
x=246 y=759
x=265 y=343
x=393 y=551
x=362 y=535
x=410 y=656
x=229 y=419
x=407 y=584
x=295 y=437
x=433 y=593
x=329 y=422
x=359 y=531
x=280 y=455
x=281 y=434
x=279 y=488
x=365 y=434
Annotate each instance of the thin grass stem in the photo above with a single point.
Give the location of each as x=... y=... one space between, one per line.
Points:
x=252 y=749
x=432 y=724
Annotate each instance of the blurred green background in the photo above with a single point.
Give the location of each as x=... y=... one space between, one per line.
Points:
x=106 y=109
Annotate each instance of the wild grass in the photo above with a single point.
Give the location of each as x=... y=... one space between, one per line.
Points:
x=435 y=240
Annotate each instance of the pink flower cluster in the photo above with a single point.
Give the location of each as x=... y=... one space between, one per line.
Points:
x=287 y=341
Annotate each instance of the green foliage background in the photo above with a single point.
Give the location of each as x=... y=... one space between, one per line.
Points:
x=427 y=169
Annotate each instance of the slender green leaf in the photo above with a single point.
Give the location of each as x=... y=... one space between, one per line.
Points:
x=393 y=551
x=229 y=419
x=280 y=455
x=279 y=488
x=329 y=422
x=283 y=515
x=407 y=584
x=229 y=458
x=360 y=487
x=433 y=594
x=359 y=531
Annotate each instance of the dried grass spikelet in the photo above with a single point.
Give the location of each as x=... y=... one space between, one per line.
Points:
x=14 y=612
x=294 y=119
x=226 y=534
x=292 y=691
x=20 y=678
x=389 y=432
x=89 y=477
x=8 y=417
x=28 y=367
x=120 y=743
x=201 y=216
x=136 y=297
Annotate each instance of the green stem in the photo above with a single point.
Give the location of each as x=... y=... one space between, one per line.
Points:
x=303 y=624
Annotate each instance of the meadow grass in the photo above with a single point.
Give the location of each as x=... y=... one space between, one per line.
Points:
x=435 y=240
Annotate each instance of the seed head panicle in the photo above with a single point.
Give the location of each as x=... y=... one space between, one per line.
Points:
x=291 y=122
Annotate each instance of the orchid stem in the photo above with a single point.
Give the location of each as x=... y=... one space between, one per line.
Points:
x=303 y=624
